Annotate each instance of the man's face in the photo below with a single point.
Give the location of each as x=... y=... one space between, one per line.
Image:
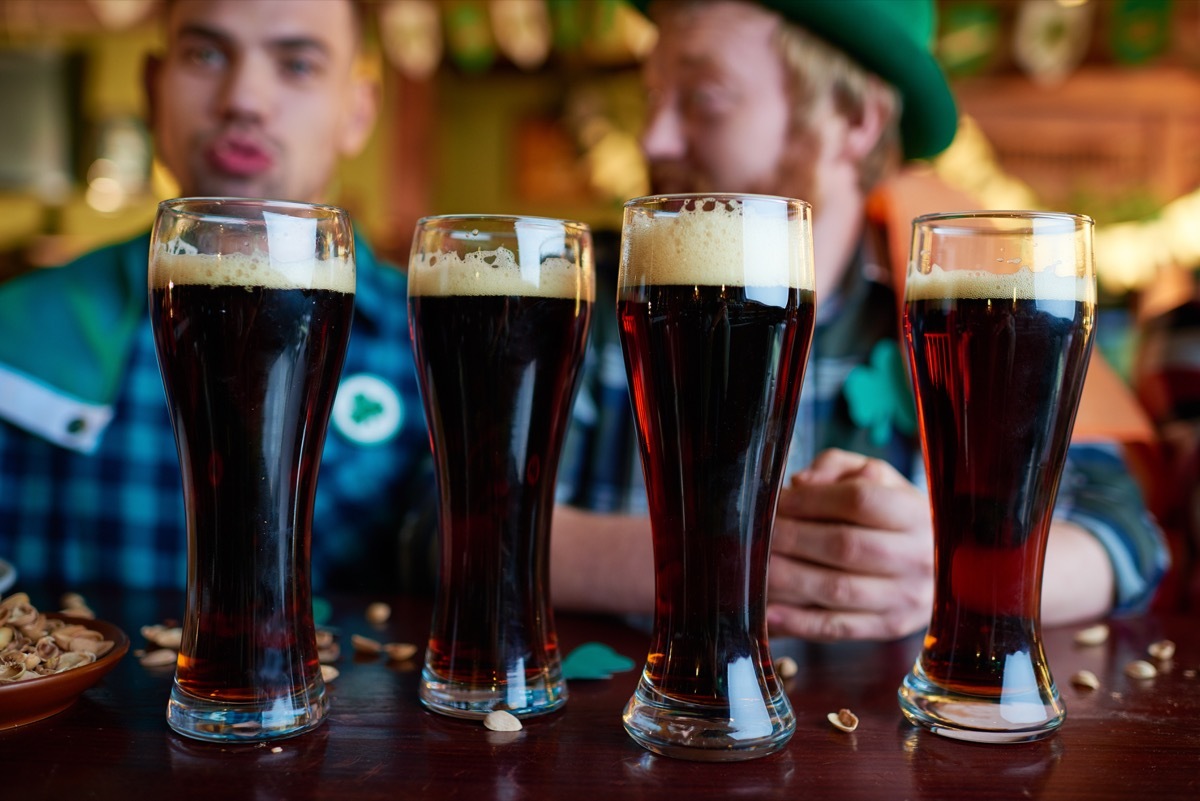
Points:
x=259 y=99
x=720 y=113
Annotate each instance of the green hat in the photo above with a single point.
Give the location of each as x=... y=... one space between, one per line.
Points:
x=893 y=39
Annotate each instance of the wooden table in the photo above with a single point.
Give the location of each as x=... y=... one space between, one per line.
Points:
x=1128 y=740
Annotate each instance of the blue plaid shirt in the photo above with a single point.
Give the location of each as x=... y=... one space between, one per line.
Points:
x=115 y=514
x=856 y=396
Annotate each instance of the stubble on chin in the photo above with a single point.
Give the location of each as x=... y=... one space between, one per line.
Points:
x=793 y=176
x=673 y=178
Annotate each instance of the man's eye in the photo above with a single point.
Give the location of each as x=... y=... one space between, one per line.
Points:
x=300 y=67
x=706 y=100
x=204 y=56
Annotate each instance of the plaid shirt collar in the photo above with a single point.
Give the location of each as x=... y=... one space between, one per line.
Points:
x=62 y=387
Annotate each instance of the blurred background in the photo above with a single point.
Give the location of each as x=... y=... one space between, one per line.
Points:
x=534 y=106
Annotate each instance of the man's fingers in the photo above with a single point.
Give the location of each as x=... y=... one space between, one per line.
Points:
x=834 y=464
x=831 y=465
x=824 y=625
x=854 y=549
x=864 y=503
x=801 y=584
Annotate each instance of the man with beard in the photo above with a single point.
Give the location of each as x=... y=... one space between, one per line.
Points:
x=823 y=100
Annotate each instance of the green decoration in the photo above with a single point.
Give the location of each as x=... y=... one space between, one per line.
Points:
x=322 y=611
x=1139 y=29
x=594 y=660
x=878 y=394
x=604 y=16
x=969 y=37
x=365 y=408
x=469 y=35
x=566 y=18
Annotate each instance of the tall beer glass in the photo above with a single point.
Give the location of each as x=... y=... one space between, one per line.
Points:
x=715 y=303
x=499 y=309
x=999 y=317
x=250 y=303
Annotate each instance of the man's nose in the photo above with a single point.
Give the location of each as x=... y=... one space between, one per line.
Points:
x=663 y=137
x=248 y=88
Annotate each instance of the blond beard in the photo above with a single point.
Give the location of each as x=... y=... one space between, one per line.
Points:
x=793 y=176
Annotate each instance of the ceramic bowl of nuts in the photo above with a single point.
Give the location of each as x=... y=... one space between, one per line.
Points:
x=47 y=660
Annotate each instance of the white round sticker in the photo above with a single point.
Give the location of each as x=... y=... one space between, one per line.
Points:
x=367 y=409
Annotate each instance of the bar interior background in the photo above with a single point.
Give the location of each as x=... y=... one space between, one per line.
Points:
x=534 y=107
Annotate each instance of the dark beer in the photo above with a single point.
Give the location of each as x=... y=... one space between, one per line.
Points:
x=498 y=361
x=250 y=371
x=716 y=309
x=998 y=366
x=716 y=374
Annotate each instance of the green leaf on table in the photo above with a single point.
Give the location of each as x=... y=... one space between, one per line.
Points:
x=322 y=611
x=594 y=660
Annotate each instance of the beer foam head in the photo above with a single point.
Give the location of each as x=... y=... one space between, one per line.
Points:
x=250 y=270
x=497 y=272
x=743 y=242
x=1022 y=284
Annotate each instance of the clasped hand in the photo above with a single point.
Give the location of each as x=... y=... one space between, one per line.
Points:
x=852 y=554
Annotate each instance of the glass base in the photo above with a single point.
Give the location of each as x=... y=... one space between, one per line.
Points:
x=745 y=728
x=473 y=702
x=999 y=718
x=270 y=719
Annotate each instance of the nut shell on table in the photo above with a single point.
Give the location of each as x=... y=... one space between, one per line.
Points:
x=844 y=720
x=378 y=613
x=1092 y=635
x=1161 y=651
x=164 y=636
x=786 y=667
x=365 y=645
x=502 y=720
x=161 y=657
x=400 y=651
x=1140 y=669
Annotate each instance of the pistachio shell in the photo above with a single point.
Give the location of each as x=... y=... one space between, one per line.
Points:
x=1140 y=669
x=1162 y=650
x=365 y=645
x=1092 y=635
x=400 y=651
x=843 y=719
x=502 y=720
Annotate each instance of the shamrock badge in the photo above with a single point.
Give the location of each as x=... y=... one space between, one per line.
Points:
x=367 y=409
x=878 y=394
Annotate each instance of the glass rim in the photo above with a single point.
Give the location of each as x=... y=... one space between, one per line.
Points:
x=1002 y=214
x=180 y=206
x=646 y=200
x=533 y=219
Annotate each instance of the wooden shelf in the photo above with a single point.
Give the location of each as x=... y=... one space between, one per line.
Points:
x=1105 y=132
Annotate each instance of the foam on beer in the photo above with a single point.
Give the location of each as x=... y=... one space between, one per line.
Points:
x=250 y=270
x=496 y=272
x=719 y=245
x=1023 y=284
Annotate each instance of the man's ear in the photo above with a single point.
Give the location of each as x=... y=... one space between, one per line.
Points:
x=151 y=68
x=878 y=108
x=361 y=110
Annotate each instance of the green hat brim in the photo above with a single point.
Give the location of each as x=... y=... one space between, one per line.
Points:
x=929 y=116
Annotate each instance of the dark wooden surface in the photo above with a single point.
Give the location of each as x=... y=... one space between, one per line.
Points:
x=1127 y=740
